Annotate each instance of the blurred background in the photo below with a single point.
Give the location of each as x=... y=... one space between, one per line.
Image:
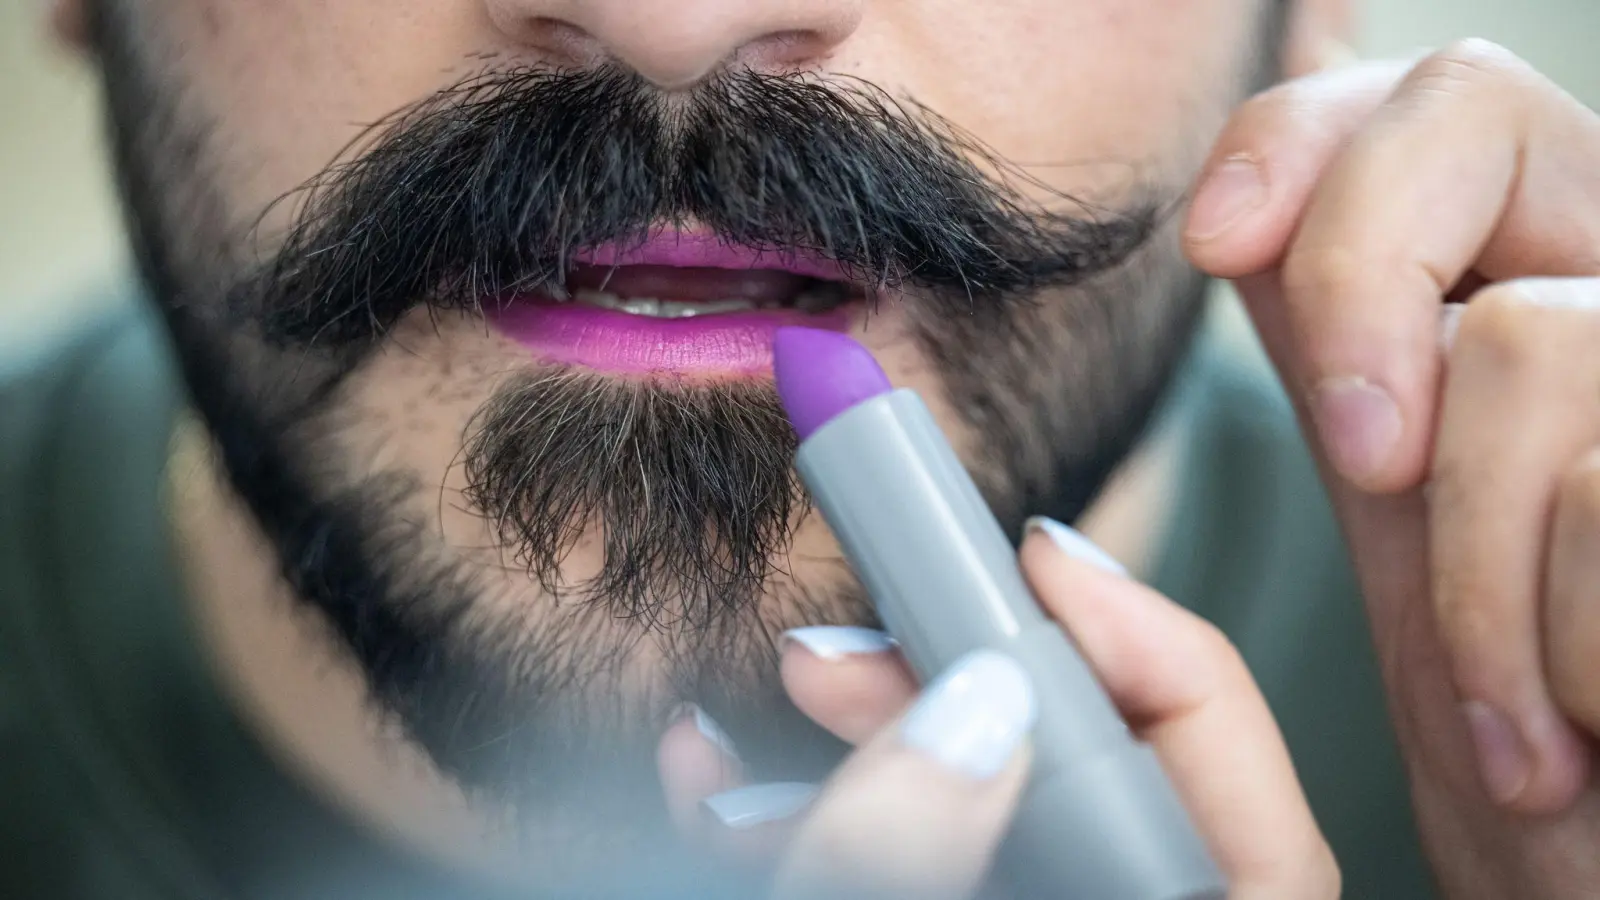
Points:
x=60 y=228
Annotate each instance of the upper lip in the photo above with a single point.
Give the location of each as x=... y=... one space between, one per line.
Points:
x=707 y=251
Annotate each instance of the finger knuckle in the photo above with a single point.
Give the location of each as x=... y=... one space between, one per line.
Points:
x=1502 y=328
x=1460 y=596
x=1470 y=66
x=1300 y=866
x=1322 y=869
x=1213 y=644
x=1332 y=878
x=1473 y=625
x=1317 y=269
x=1444 y=490
x=1305 y=109
x=1262 y=114
x=1209 y=663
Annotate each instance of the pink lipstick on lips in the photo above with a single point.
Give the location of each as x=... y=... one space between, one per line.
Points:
x=678 y=303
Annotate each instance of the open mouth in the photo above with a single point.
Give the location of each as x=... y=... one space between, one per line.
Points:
x=679 y=304
x=670 y=292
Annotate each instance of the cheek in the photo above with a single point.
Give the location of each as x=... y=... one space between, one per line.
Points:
x=1074 y=90
x=288 y=85
x=411 y=406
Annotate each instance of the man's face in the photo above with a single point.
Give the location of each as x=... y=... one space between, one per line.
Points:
x=477 y=296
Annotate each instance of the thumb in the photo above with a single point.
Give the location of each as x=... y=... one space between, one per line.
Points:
x=919 y=810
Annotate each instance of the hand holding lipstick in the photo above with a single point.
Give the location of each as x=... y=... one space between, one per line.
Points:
x=920 y=807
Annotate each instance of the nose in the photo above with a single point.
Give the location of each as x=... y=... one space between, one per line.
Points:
x=675 y=44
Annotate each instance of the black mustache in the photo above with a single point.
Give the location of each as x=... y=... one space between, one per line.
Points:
x=488 y=188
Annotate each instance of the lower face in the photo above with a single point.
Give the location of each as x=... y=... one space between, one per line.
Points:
x=549 y=492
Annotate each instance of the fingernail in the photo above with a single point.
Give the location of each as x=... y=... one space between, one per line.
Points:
x=1359 y=424
x=831 y=642
x=757 y=804
x=1502 y=756
x=1234 y=190
x=1072 y=542
x=973 y=717
x=712 y=732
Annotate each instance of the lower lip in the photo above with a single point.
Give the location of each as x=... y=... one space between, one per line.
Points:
x=736 y=343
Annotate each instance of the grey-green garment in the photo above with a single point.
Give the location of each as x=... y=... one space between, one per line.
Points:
x=124 y=774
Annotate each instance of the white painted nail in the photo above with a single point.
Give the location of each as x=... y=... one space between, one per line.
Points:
x=1072 y=542
x=757 y=804
x=974 y=716
x=711 y=731
x=831 y=642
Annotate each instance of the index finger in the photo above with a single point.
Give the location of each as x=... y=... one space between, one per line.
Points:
x=1477 y=166
x=1185 y=690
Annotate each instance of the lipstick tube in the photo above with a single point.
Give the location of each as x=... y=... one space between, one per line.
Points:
x=1099 y=819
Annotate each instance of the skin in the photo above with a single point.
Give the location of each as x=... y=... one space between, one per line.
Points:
x=1389 y=188
x=1465 y=530
x=287 y=97
x=1175 y=678
x=266 y=141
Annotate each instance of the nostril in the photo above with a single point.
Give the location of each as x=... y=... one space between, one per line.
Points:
x=793 y=49
x=562 y=42
x=559 y=41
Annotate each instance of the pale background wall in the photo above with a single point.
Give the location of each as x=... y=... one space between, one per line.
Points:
x=59 y=230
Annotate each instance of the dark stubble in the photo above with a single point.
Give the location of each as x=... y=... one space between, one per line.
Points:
x=1054 y=326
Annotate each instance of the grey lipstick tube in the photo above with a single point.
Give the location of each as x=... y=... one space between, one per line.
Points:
x=1100 y=820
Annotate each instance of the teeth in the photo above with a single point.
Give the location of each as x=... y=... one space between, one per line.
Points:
x=818 y=298
x=660 y=309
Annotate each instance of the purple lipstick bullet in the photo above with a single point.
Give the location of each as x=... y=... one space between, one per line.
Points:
x=1100 y=819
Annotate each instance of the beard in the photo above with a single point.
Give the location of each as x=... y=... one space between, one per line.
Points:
x=1053 y=325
